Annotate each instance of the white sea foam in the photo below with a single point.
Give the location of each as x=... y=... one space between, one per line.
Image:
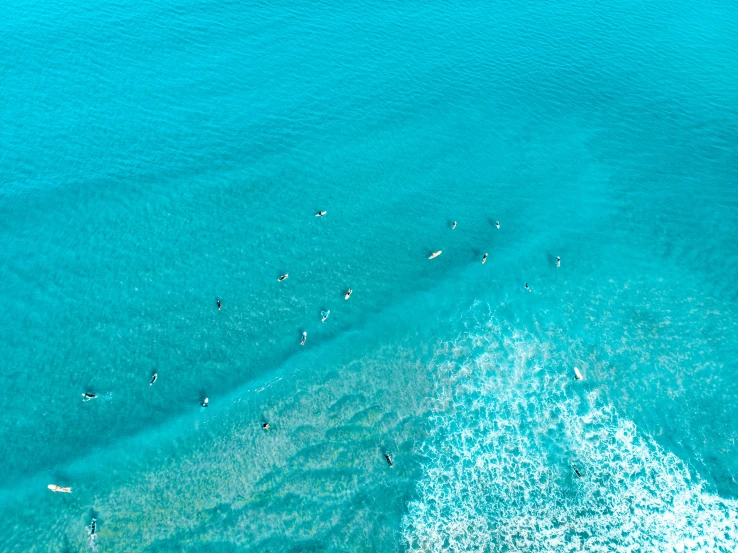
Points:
x=511 y=424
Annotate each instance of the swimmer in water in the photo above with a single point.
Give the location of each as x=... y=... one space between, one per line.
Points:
x=283 y=277
x=453 y=227
x=321 y=213
x=217 y=302
x=558 y=261
x=265 y=426
x=497 y=224
x=153 y=379
x=528 y=287
x=304 y=337
x=324 y=315
x=54 y=488
x=87 y=396
x=389 y=459
x=348 y=294
x=204 y=403
x=577 y=472
x=484 y=259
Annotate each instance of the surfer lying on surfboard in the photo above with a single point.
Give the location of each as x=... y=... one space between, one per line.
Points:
x=435 y=254
x=54 y=488
x=348 y=294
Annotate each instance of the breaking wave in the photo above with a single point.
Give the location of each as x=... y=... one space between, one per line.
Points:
x=509 y=428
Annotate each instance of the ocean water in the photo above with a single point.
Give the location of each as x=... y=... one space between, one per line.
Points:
x=159 y=156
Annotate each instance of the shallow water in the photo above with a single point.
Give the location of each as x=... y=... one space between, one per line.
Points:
x=159 y=157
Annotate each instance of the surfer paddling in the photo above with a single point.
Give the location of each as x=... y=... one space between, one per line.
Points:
x=435 y=254
x=283 y=277
x=324 y=315
x=217 y=302
x=304 y=337
x=348 y=294
x=558 y=261
x=204 y=403
x=577 y=374
x=528 y=287
x=497 y=224
x=577 y=472
x=453 y=227
x=153 y=379
x=388 y=459
x=58 y=489
x=484 y=259
x=321 y=213
x=87 y=396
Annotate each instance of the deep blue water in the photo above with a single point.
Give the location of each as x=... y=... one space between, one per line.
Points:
x=159 y=156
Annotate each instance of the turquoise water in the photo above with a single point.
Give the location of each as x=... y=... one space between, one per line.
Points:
x=158 y=157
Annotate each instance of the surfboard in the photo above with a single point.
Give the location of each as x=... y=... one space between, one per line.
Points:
x=577 y=374
x=435 y=254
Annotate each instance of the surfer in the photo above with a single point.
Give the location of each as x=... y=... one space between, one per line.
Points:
x=153 y=379
x=389 y=459
x=497 y=224
x=528 y=287
x=324 y=315
x=87 y=396
x=577 y=472
x=484 y=259
x=321 y=213
x=558 y=261
x=348 y=294
x=283 y=277
x=577 y=374
x=304 y=337
x=453 y=227
x=435 y=254
x=218 y=304
x=265 y=425
x=204 y=403
x=54 y=488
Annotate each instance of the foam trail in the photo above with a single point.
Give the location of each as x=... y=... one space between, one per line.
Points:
x=511 y=425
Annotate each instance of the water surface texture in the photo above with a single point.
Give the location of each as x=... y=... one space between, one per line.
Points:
x=159 y=156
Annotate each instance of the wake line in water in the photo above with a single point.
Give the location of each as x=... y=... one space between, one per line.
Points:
x=166 y=431
x=510 y=426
